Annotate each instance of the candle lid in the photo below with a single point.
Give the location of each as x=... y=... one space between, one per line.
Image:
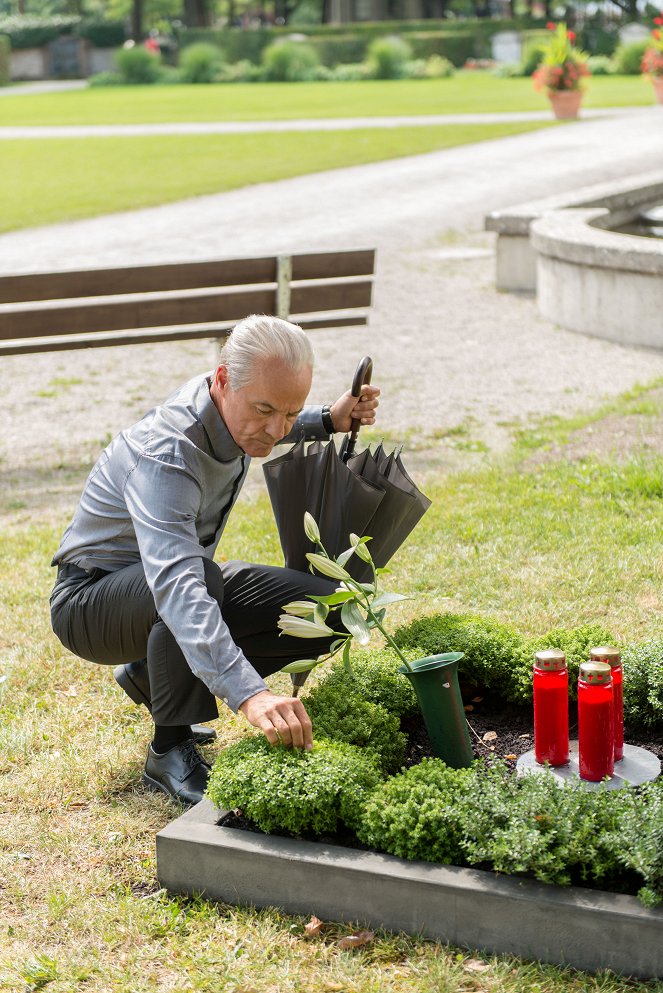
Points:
x=606 y=653
x=550 y=659
x=596 y=673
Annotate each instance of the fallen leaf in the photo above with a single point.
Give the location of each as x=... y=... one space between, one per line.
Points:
x=356 y=940
x=71 y=691
x=511 y=756
x=490 y=736
x=313 y=928
x=468 y=707
x=524 y=735
x=477 y=699
x=475 y=965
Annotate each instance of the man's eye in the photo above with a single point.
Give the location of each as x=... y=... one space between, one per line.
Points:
x=263 y=411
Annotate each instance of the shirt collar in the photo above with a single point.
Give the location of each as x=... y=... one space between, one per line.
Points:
x=224 y=446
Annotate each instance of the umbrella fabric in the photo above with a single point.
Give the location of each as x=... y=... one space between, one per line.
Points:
x=370 y=495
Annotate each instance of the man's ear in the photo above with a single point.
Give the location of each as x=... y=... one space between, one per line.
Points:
x=221 y=376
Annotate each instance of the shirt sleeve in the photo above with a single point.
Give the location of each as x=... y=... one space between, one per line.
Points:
x=310 y=424
x=163 y=499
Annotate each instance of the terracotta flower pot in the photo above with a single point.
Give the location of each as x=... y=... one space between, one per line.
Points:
x=565 y=103
x=657 y=83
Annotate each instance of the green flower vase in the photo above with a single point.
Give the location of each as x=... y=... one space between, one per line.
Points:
x=435 y=682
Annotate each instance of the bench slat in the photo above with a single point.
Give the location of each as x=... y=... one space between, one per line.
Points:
x=146 y=336
x=179 y=276
x=87 y=317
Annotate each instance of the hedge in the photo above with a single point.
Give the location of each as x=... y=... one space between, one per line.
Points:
x=5 y=48
x=28 y=31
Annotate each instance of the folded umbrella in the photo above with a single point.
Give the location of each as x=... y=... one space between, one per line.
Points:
x=363 y=494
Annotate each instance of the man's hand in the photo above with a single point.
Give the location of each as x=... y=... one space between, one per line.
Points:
x=282 y=719
x=348 y=408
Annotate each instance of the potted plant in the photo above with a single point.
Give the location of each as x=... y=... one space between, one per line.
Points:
x=562 y=72
x=362 y=609
x=652 y=60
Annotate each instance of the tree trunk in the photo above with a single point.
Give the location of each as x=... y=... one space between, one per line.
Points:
x=137 y=20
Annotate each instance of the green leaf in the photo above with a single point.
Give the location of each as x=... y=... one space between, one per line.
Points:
x=386 y=598
x=335 y=645
x=320 y=613
x=345 y=556
x=303 y=665
x=311 y=528
x=335 y=598
x=383 y=571
x=355 y=623
x=368 y=587
x=356 y=540
x=327 y=566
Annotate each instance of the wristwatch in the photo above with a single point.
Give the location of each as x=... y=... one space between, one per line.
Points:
x=327 y=421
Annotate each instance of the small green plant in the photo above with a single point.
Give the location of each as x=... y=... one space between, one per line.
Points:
x=628 y=58
x=563 y=67
x=362 y=606
x=437 y=67
x=286 y=789
x=341 y=716
x=200 y=63
x=491 y=649
x=388 y=57
x=375 y=678
x=600 y=65
x=137 y=66
x=290 y=62
x=643 y=683
x=415 y=815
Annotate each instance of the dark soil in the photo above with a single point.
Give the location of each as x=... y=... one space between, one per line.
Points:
x=487 y=715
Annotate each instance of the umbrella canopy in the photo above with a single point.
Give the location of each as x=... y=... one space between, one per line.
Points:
x=369 y=494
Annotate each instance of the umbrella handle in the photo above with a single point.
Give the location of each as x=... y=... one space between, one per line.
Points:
x=362 y=376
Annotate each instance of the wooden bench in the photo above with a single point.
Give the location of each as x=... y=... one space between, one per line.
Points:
x=91 y=308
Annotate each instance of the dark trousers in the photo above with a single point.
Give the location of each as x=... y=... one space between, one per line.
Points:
x=111 y=618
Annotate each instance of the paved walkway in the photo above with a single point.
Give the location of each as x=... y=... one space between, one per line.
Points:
x=448 y=349
x=318 y=124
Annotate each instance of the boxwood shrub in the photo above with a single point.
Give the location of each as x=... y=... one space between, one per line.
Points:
x=284 y=789
x=342 y=716
x=643 y=683
x=375 y=677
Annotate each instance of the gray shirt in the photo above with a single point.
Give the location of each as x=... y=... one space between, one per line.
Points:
x=161 y=493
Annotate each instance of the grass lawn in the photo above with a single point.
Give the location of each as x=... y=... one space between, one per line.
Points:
x=551 y=543
x=51 y=180
x=466 y=92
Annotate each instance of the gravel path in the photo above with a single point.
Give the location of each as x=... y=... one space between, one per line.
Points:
x=449 y=350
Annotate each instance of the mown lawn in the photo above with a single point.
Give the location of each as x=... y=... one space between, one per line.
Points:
x=50 y=180
x=552 y=543
x=466 y=92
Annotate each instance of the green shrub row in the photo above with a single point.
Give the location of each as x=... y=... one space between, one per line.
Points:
x=499 y=658
x=283 y=61
x=521 y=826
x=30 y=31
x=5 y=50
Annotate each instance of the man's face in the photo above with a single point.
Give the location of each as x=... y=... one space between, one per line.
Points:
x=264 y=411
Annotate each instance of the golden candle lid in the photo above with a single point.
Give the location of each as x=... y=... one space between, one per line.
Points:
x=596 y=673
x=550 y=659
x=606 y=653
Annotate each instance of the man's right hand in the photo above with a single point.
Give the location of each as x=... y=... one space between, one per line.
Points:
x=282 y=719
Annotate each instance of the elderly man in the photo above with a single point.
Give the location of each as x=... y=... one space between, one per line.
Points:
x=137 y=586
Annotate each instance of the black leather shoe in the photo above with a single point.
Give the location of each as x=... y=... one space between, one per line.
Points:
x=181 y=772
x=135 y=681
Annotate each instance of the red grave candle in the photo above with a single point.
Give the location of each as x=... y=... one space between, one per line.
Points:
x=551 y=708
x=613 y=658
x=596 y=739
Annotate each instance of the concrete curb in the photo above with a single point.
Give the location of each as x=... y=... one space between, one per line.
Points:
x=586 y=929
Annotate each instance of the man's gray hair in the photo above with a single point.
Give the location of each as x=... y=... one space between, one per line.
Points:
x=261 y=337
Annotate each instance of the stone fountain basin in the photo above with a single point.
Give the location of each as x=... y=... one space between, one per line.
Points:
x=586 y=929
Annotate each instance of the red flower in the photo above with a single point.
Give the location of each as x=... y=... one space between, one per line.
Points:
x=656 y=34
x=571 y=35
x=658 y=20
x=551 y=26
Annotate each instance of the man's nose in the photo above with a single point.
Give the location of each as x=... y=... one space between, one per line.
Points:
x=277 y=426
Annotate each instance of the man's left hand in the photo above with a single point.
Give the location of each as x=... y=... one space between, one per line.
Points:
x=362 y=408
